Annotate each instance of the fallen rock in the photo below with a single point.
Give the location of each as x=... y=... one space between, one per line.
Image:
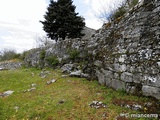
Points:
x=16 y=108
x=7 y=93
x=97 y=105
x=33 y=85
x=64 y=76
x=44 y=74
x=2 y=69
x=51 y=81
x=32 y=74
x=67 y=68
x=147 y=107
x=78 y=74
x=61 y=101
x=136 y=107
x=31 y=89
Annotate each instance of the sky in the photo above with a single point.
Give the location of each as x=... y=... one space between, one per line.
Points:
x=20 y=26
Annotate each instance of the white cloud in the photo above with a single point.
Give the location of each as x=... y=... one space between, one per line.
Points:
x=20 y=20
x=86 y=1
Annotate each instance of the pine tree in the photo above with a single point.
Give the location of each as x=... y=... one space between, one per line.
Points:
x=62 y=21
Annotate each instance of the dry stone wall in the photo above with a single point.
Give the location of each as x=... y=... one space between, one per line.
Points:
x=10 y=65
x=128 y=51
x=124 y=54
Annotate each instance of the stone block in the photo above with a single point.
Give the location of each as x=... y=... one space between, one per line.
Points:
x=108 y=74
x=151 y=91
x=152 y=80
x=117 y=84
x=127 y=77
x=101 y=77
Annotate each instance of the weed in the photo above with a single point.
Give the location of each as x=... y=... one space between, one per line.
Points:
x=52 y=61
x=73 y=54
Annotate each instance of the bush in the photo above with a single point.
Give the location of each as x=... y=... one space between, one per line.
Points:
x=42 y=54
x=73 y=54
x=116 y=11
x=119 y=12
x=23 y=55
x=133 y=3
x=52 y=60
x=9 y=54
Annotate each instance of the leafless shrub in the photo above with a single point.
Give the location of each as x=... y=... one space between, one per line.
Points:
x=43 y=41
x=8 y=54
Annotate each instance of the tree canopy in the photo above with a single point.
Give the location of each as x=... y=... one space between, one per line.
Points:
x=62 y=21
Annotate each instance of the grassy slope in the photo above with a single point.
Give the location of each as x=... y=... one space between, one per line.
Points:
x=42 y=104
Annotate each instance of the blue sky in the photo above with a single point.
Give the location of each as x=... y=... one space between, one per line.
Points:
x=19 y=20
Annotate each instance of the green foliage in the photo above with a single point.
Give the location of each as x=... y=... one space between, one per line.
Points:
x=116 y=11
x=52 y=60
x=133 y=3
x=42 y=54
x=23 y=55
x=61 y=20
x=119 y=12
x=73 y=54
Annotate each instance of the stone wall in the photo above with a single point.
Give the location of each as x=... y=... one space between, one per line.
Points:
x=124 y=54
x=128 y=51
x=10 y=65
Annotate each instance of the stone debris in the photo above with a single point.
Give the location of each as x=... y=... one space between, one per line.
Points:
x=33 y=85
x=68 y=81
x=31 y=89
x=2 y=69
x=136 y=107
x=51 y=81
x=79 y=74
x=64 y=76
x=16 y=108
x=97 y=105
x=44 y=74
x=61 y=101
x=104 y=115
x=7 y=93
x=32 y=74
x=148 y=107
x=67 y=68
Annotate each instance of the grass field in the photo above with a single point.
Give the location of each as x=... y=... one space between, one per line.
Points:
x=66 y=99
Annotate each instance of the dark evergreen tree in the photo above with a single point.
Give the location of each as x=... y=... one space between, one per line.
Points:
x=61 y=20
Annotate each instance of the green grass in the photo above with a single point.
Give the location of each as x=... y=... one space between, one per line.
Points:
x=42 y=104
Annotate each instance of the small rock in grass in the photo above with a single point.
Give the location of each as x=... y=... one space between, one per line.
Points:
x=32 y=74
x=33 y=85
x=136 y=107
x=61 y=101
x=7 y=93
x=29 y=90
x=16 y=108
x=44 y=76
x=97 y=105
x=64 y=76
x=69 y=81
x=51 y=81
